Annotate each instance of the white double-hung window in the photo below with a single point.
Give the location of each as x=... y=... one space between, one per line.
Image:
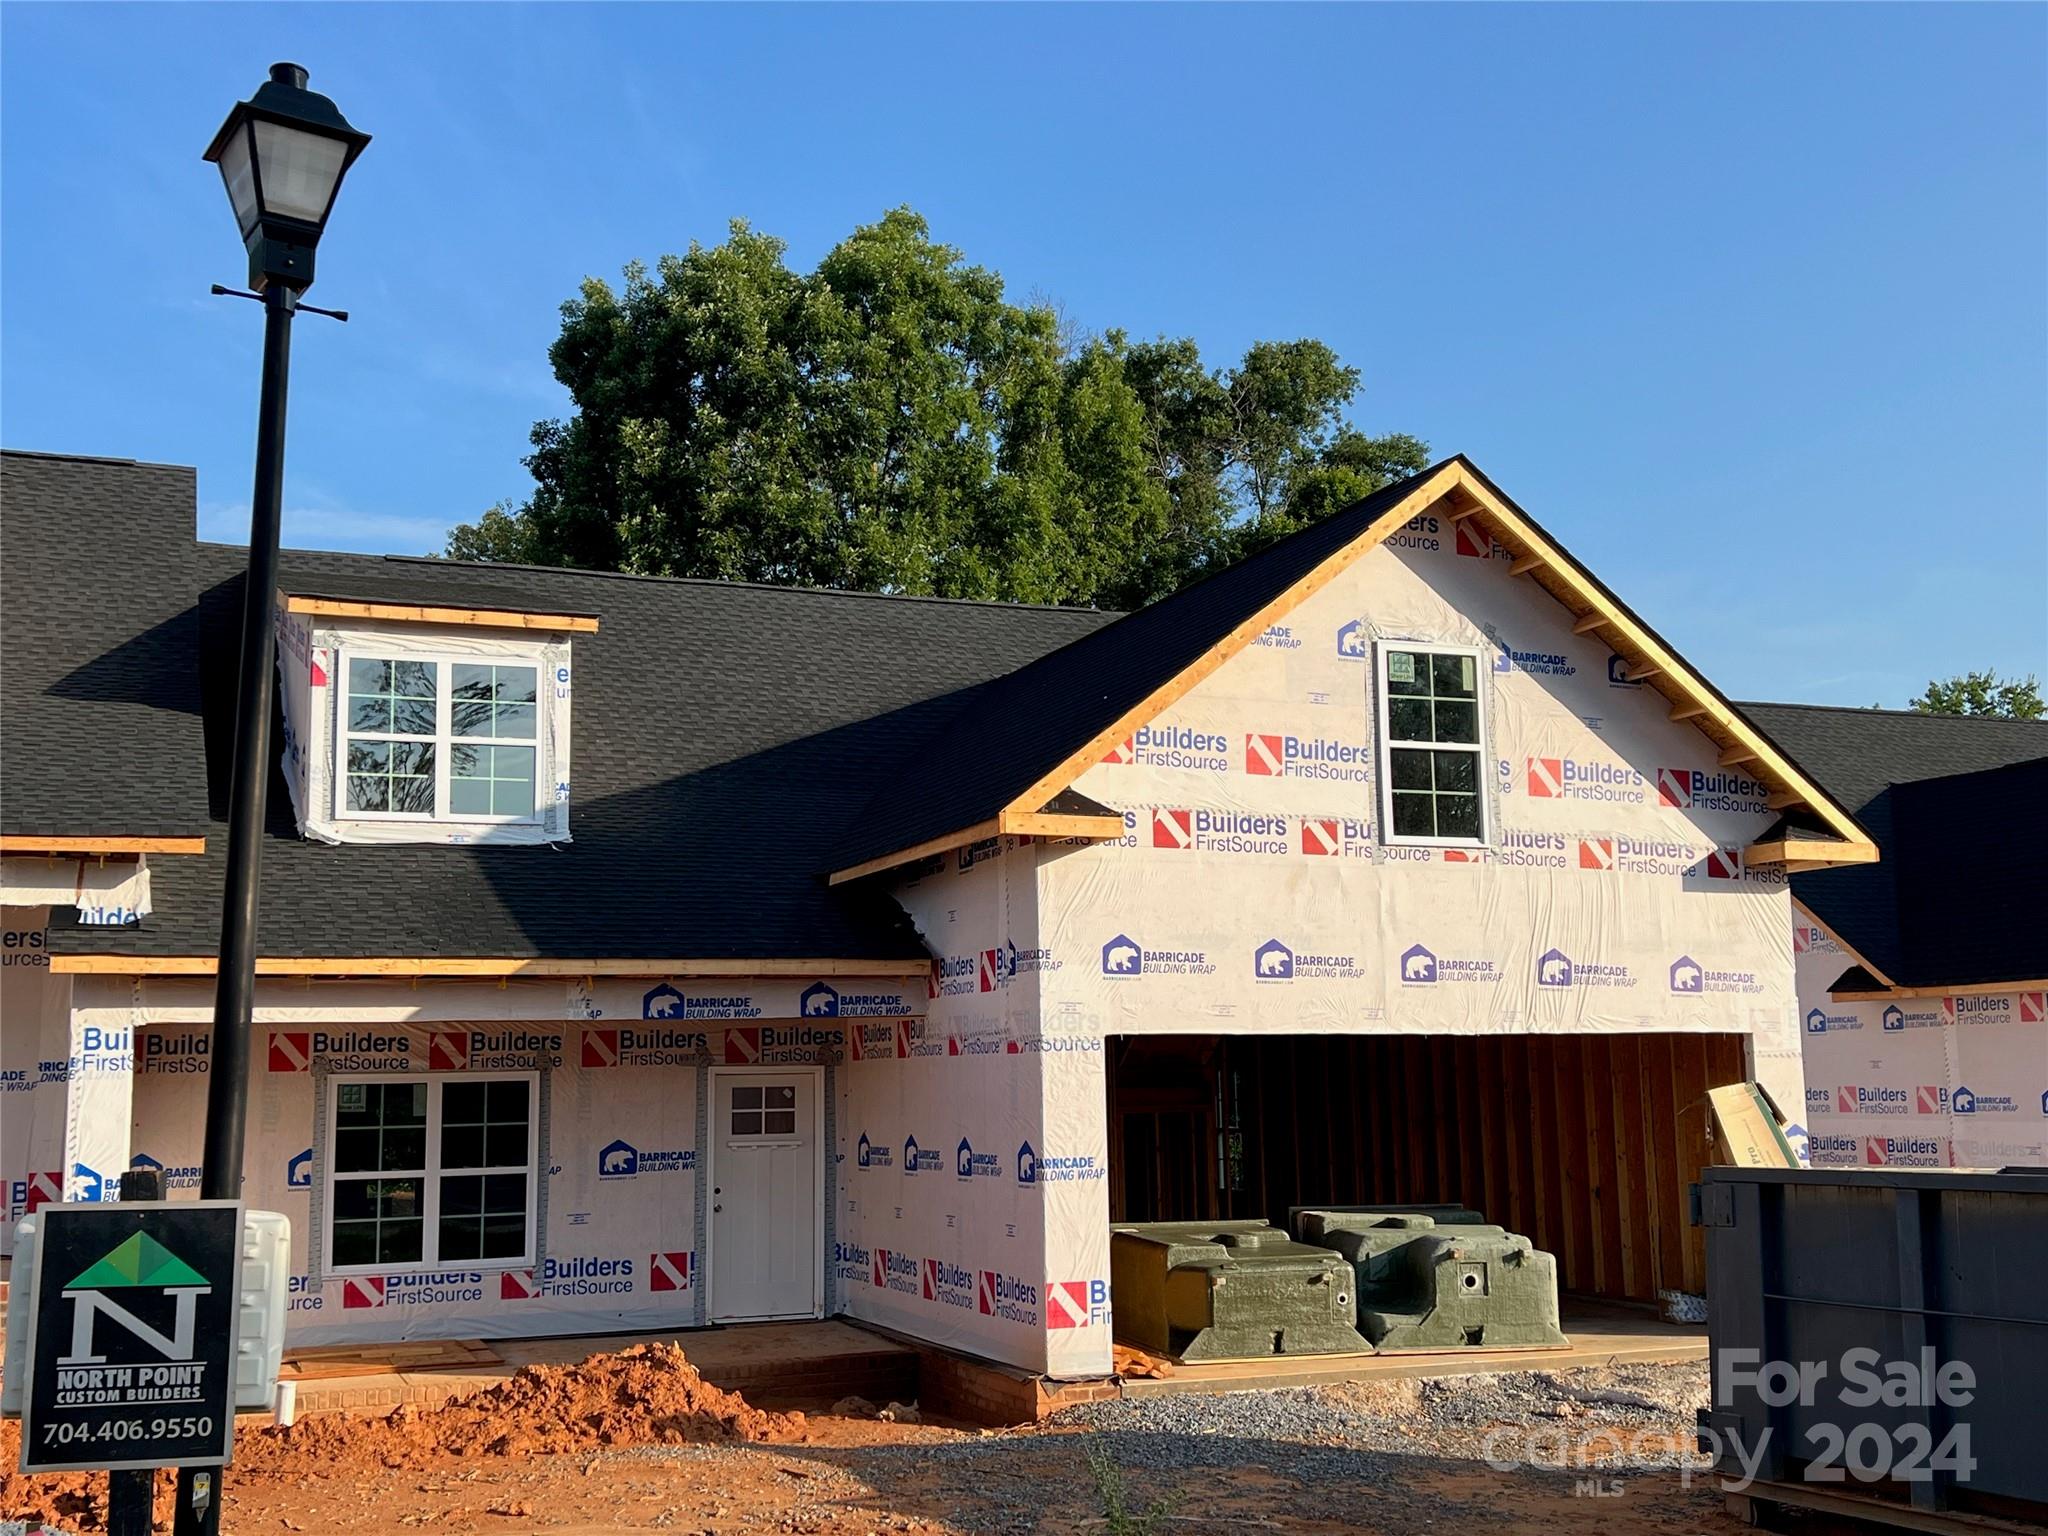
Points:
x=427 y=1172
x=1432 y=745
x=438 y=739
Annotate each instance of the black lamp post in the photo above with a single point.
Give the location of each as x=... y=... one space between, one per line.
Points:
x=282 y=154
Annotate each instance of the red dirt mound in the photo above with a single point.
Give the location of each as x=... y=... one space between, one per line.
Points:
x=647 y=1395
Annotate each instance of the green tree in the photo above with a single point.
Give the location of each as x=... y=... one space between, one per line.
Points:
x=892 y=422
x=504 y=534
x=1983 y=693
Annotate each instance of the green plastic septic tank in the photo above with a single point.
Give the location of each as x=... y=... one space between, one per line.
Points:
x=1229 y=1290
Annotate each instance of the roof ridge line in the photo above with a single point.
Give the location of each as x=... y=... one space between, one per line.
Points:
x=432 y=562
x=1858 y=709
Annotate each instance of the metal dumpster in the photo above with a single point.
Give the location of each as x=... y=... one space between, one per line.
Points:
x=1864 y=1322
x=1228 y=1290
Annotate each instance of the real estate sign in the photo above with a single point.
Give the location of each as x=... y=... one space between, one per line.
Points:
x=131 y=1343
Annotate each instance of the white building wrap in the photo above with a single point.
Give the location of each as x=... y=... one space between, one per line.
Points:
x=619 y=1069
x=1929 y=1082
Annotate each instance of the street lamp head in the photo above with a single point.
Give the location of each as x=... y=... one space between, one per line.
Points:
x=282 y=154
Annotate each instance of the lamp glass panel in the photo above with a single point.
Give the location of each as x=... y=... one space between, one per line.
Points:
x=240 y=177
x=299 y=170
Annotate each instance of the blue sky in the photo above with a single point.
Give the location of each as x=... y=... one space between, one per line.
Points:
x=1746 y=304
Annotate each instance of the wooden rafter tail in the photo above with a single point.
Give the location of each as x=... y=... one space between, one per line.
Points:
x=1699 y=700
x=1586 y=623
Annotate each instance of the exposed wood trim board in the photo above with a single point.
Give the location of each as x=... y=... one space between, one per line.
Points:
x=413 y=613
x=1050 y=824
x=486 y=966
x=28 y=842
x=1642 y=643
x=1805 y=853
x=974 y=834
x=1975 y=989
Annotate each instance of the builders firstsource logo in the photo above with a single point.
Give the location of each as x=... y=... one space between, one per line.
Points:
x=645 y=1046
x=173 y=1051
x=464 y=1050
x=1007 y=1297
x=1859 y=1099
x=1335 y=837
x=1905 y=1152
x=1076 y=1303
x=1571 y=778
x=1123 y=956
x=894 y=1271
x=1691 y=789
x=948 y=1284
x=1287 y=756
x=1193 y=829
x=345 y=1050
x=850 y=1261
x=1172 y=746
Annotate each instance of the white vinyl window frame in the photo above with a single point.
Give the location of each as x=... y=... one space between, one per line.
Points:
x=431 y=1175
x=443 y=739
x=1387 y=744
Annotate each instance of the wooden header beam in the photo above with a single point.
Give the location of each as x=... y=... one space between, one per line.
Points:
x=482 y=967
x=413 y=613
x=71 y=847
x=1808 y=853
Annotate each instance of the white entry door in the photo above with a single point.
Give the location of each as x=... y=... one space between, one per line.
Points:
x=767 y=1193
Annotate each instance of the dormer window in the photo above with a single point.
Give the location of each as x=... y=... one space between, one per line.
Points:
x=425 y=722
x=439 y=739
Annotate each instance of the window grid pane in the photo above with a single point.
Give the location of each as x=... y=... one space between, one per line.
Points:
x=1433 y=748
x=379 y=1214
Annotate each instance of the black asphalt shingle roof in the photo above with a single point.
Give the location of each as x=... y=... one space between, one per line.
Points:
x=99 y=698
x=1959 y=807
x=411 y=588
x=1013 y=730
x=722 y=736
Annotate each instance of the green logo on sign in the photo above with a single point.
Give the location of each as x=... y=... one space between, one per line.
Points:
x=141 y=1260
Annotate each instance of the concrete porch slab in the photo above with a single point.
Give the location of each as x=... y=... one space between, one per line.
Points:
x=1600 y=1335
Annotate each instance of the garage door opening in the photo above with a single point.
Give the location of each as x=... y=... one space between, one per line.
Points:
x=1583 y=1143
